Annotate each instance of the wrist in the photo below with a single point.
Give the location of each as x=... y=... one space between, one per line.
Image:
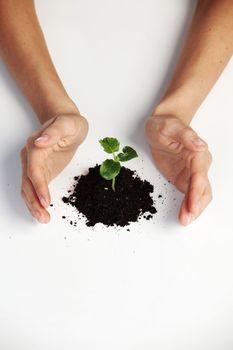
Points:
x=178 y=105
x=63 y=105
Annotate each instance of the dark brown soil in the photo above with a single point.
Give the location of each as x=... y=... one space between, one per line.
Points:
x=94 y=198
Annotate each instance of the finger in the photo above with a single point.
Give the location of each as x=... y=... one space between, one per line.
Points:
x=182 y=181
x=185 y=217
x=35 y=172
x=198 y=192
x=39 y=181
x=61 y=131
x=23 y=195
x=190 y=140
x=51 y=133
x=37 y=177
x=206 y=199
x=195 y=192
x=172 y=133
x=196 y=199
x=190 y=206
x=200 y=195
x=37 y=214
x=49 y=137
x=33 y=203
x=28 y=192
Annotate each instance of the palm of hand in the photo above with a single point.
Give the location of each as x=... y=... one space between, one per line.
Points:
x=184 y=159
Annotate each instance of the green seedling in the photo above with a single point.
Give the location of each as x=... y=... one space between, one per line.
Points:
x=110 y=168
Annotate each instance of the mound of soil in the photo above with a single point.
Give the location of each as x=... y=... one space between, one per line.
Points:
x=94 y=198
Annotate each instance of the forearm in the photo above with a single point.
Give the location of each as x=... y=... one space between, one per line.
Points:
x=208 y=48
x=23 y=47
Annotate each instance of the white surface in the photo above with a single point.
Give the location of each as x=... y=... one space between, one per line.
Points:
x=159 y=286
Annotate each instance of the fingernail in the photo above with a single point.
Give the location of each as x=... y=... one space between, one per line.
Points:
x=42 y=138
x=199 y=142
x=189 y=218
x=43 y=202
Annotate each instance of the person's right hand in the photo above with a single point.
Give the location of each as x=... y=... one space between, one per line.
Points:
x=45 y=155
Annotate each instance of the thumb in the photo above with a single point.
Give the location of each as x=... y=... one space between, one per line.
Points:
x=50 y=135
x=172 y=132
x=189 y=139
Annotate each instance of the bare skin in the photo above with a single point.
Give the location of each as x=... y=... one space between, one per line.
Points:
x=177 y=150
x=45 y=155
x=184 y=159
x=49 y=149
x=180 y=154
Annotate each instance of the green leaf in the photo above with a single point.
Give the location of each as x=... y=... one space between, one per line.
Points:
x=110 y=144
x=109 y=169
x=128 y=153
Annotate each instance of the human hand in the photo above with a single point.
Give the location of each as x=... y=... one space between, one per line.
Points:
x=184 y=159
x=45 y=155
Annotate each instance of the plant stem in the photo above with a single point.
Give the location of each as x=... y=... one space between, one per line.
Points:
x=114 y=179
x=113 y=183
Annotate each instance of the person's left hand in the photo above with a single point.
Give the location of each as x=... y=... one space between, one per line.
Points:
x=184 y=159
x=45 y=155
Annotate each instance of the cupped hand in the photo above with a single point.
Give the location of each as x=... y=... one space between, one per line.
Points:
x=184 y=159
x=45 y=155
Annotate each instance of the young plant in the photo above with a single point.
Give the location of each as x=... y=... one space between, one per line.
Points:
x=110 y=168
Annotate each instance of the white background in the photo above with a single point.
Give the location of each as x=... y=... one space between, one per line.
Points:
x=159 y=286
